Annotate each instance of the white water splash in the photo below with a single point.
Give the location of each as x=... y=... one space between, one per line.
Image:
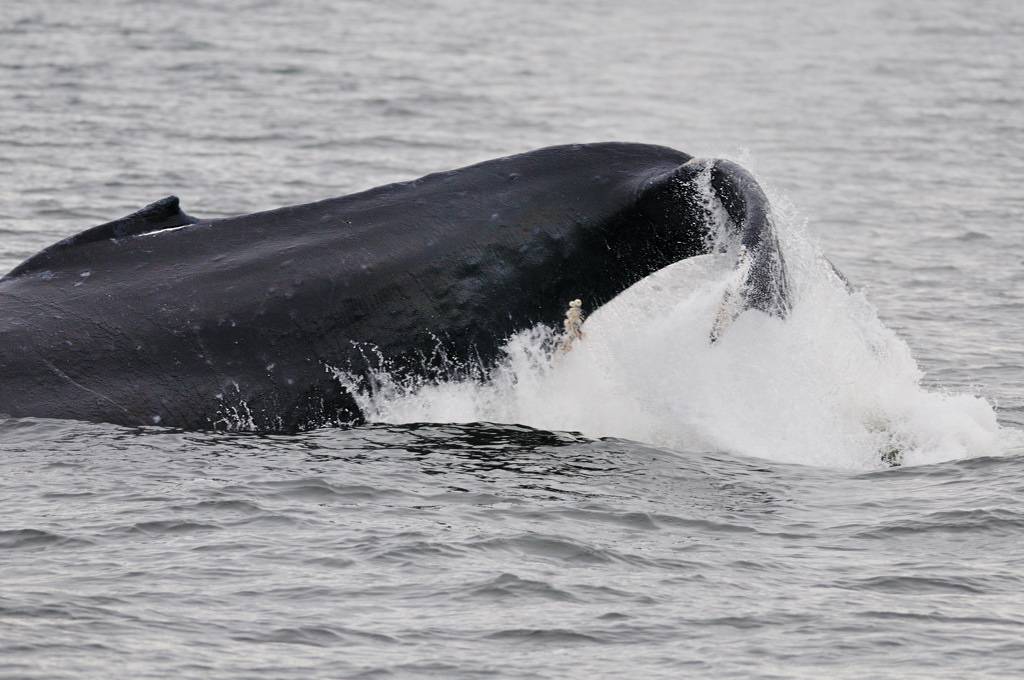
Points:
x=830 y=385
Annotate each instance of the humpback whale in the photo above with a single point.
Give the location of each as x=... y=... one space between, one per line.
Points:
x=164 y=318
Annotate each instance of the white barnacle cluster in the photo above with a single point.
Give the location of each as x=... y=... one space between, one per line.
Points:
x=573 y=324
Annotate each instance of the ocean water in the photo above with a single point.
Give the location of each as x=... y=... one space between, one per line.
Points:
x=643 y=506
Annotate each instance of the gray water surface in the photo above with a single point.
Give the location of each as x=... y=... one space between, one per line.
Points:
x=470 y=551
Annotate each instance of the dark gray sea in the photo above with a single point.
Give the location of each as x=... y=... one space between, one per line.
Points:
x=649 y=507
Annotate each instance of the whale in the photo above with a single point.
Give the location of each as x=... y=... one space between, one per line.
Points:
x=162 y=318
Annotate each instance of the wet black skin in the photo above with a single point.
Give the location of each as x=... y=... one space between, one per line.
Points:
x=164 y=318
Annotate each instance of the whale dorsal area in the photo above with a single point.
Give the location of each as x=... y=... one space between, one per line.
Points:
x=163 y=214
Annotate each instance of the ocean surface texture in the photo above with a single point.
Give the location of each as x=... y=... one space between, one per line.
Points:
x=644 y=507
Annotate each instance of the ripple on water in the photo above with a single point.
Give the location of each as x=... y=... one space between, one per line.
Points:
x=31 y=539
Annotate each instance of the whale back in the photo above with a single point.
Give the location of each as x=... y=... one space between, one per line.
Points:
x=239 y=320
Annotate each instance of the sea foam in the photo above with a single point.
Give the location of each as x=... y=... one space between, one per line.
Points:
x=830 y=385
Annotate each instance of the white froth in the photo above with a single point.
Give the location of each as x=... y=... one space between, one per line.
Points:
x=831 y=385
